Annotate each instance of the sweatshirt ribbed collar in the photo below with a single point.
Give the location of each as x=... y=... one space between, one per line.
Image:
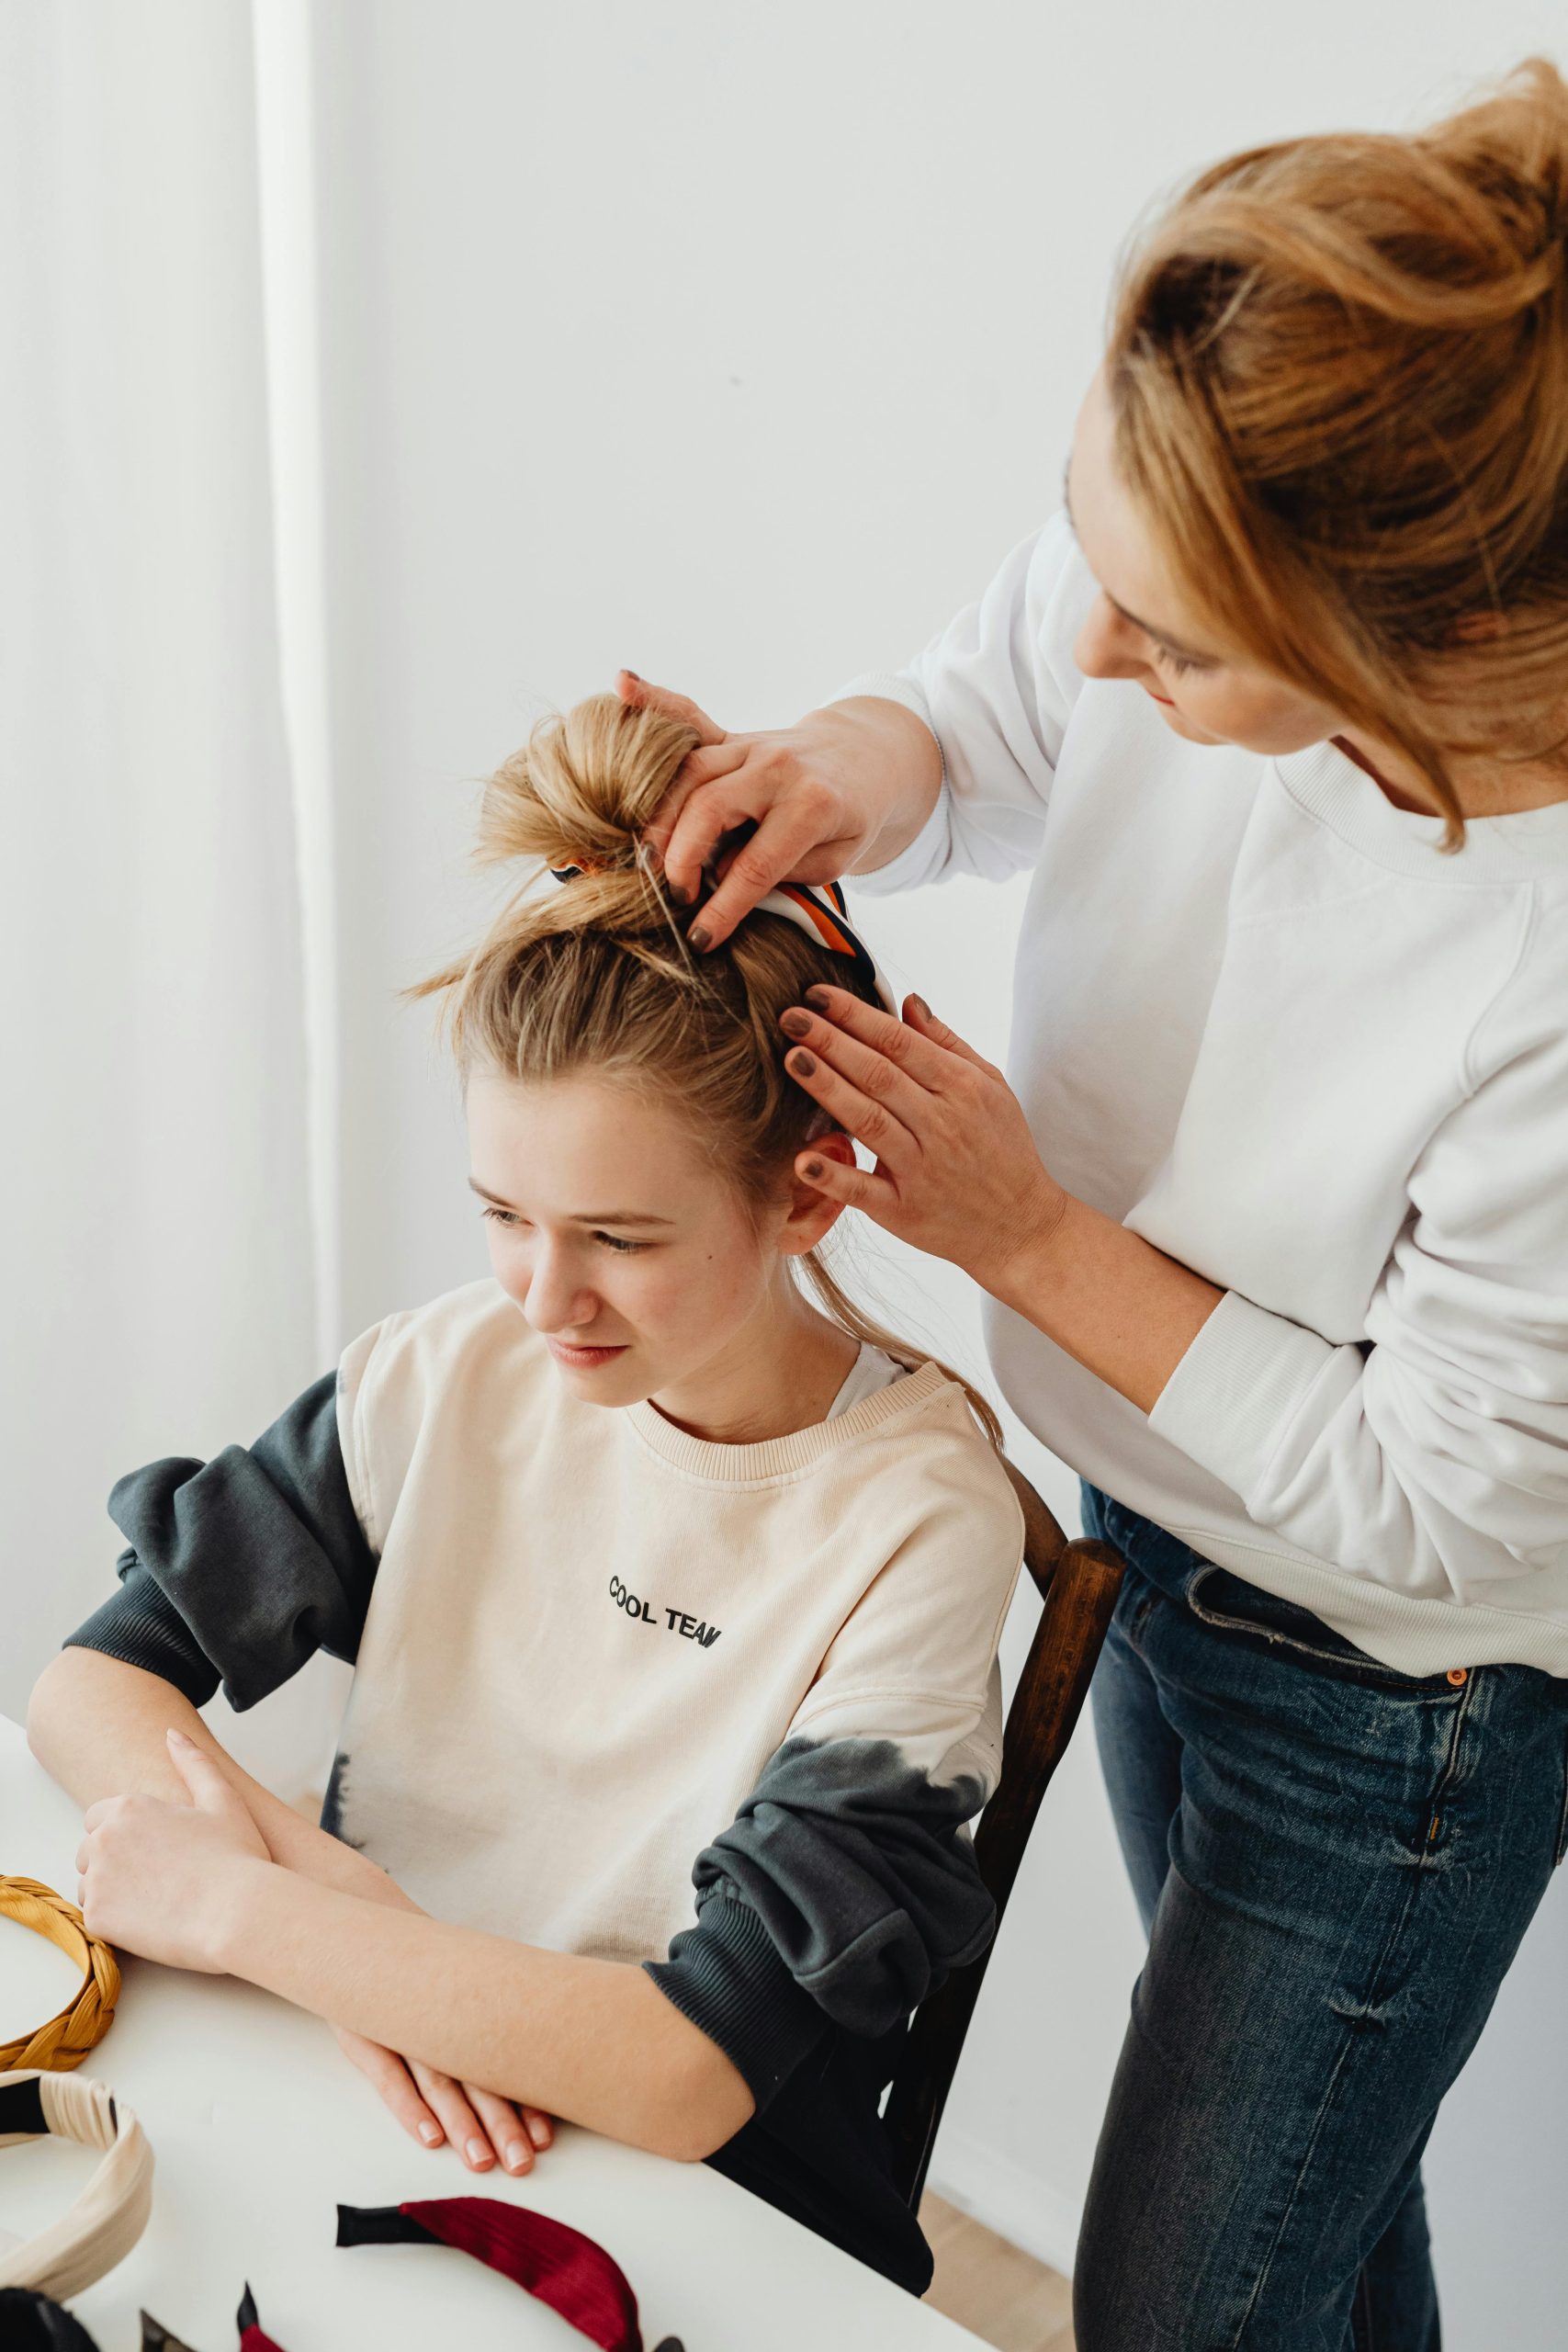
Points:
x=781 y=1457
x=1327 y=784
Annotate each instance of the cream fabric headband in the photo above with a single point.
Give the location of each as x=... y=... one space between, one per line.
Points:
x=105 y=2222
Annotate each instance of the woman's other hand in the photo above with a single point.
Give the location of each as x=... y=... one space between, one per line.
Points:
x=841 y=792
x=434 y=2108
x=957 y=1173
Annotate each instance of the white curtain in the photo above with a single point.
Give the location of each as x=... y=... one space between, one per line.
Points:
x=165 y=1188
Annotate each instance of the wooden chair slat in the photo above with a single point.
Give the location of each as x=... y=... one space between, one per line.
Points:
x=1080 y=1582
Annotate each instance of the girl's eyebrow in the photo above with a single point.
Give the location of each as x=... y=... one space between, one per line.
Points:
x=1171 y=644
x=594 y=1216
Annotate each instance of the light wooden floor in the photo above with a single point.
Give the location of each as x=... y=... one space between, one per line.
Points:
x=992 y=2288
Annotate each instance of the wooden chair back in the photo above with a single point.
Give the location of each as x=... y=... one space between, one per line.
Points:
x=1079 y=1584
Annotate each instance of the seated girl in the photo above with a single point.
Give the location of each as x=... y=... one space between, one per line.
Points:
x=655 y=1575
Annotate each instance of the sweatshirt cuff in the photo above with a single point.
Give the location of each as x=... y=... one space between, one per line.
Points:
x=1231 y=1398
x=726 y=1974
x=140 y=1626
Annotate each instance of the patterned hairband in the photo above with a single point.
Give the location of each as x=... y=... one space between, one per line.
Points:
x=819 y=912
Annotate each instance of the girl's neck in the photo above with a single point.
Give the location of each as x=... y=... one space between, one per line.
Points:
x=780 y=1375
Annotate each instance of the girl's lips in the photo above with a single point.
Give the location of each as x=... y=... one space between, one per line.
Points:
x=583 y=1359
x=1165 y=698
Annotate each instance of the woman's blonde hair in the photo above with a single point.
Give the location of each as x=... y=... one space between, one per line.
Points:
x=596 y=975
x=1338 y=368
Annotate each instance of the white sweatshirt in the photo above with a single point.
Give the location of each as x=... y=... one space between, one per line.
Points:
x=1262 y=1019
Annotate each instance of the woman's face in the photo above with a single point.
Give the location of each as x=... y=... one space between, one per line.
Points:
x=644 y=1271
x=1139 y=629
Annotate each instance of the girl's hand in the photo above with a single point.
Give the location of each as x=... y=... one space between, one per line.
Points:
x=162 y=1880
x=958 y=1172
x=818 y=795
x=431 y=2107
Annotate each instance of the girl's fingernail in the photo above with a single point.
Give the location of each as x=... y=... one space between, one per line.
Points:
x=794 y=1024
x=518 y=2154
x=804 y=1065
x=539 y=2132
x=429 y=2133
x=698 y=937
x=178 y=1736
x=477 y=2153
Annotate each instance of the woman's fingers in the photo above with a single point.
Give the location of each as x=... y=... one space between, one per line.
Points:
x=787 y=831
x=856 y=1188
x=698 y=768
x=861 y=1116
x=644 y=695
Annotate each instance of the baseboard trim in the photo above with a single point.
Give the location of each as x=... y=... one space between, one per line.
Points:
x=1017 y=2204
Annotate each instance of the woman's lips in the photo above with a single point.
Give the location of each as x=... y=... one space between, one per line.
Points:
x=583 y=1359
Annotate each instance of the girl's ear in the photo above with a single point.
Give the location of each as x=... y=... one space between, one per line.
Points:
x=811 y=1214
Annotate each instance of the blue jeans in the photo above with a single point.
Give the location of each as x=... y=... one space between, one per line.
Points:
x=1335 y=1862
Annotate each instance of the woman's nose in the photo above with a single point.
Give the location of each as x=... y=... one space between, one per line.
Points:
x=1106 y=647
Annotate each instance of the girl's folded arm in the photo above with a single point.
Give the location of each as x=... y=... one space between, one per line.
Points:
x=592 y=2040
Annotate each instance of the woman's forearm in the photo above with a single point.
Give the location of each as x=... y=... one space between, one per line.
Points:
x=900 y=761
x=1125 y=1310
x=593 y=2041
x=97 y=1726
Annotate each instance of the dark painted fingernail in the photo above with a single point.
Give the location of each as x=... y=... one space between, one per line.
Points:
x=818 y=996
x=697 y=935
x=632 y=674
x=795 y=1024
x=921 y=1007
x=804 y=1065
x=814 y=1169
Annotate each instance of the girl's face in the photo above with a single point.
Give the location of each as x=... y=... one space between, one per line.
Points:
x=1138 y=629
x=645 y=1273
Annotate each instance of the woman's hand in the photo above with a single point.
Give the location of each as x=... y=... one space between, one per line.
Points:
x=845 y=789
x=958 y=1172
x=433 y=2107
x=164 y=1880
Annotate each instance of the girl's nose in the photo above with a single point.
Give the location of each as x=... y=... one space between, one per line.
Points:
x=555 y=1299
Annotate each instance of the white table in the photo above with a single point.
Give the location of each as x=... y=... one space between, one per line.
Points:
x=260 y=2127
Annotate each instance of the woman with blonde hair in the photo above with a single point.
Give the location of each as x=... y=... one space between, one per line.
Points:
x=656 y=1569
x=1275 y=1228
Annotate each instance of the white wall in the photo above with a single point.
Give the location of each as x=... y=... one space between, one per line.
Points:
x=737 y=343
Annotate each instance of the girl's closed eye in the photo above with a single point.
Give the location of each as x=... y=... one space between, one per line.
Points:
x=628 y=1248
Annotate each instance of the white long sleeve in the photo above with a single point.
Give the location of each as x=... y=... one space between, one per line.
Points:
x=1263 y=1020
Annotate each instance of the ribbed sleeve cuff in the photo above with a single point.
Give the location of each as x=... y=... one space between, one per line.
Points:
x=727 y=1975
x=140 y=1626
x=1234 y=1396
x=914 y=861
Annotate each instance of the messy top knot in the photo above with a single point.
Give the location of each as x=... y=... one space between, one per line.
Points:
x=1338 y=368
x=595 y=975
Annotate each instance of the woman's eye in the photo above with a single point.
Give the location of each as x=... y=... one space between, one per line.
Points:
x=1177 y=663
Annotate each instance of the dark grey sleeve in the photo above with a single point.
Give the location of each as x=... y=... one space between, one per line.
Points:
x=843 y=1890
x=241 y=1567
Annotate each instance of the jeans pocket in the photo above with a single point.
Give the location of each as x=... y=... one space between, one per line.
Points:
x=1230 y=1604
x=1561 y=1854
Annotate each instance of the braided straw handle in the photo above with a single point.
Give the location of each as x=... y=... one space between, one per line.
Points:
x=66 y=2039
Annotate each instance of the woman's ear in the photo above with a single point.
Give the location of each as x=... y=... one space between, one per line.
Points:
x=811 y=1214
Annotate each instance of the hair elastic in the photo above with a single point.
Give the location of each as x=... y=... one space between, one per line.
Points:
x=818 y=910
x=110 y=2214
